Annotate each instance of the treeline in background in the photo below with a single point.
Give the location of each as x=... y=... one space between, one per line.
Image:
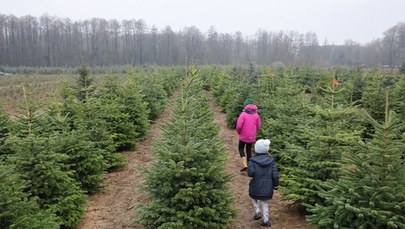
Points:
x=50 y=41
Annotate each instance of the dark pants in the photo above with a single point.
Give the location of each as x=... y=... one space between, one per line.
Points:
x=241 y=149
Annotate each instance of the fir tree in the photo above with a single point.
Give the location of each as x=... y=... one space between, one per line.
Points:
x=111 y=110
x=83 y=156
x=84 y=87
x=281 y=121
x=135 y=106
x=371 y=192
x=325 y=138
x=398 y=97
x=18 y=210
x=187 y=184
x=373 y=99
x=152 y=88
x=4 y=133
x=42 y=169
x=241 y=90
x=30 y=117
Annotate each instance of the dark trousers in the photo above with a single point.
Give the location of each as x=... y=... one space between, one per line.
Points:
x=241 y=149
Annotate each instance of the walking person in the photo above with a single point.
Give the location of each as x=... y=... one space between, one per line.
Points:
x=263 y=170
x=247 y=125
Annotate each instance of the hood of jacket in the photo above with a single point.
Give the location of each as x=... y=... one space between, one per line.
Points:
x=262 y=159
x=250 y=108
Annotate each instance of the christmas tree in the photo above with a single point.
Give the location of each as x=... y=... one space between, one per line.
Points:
x=371 y=192
x=187 y=184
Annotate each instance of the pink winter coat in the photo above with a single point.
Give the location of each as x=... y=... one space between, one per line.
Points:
x=248 y=124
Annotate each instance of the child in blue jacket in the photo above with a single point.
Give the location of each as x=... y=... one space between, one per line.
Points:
x=263 y=170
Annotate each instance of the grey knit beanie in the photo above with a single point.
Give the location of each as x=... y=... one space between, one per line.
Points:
x=262 y=146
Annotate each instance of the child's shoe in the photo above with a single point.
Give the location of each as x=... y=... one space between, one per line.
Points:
x=257 y=216
x=266 y=224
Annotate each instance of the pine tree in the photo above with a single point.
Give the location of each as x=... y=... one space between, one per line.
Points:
x=42 y=169
x=152 y=88
x=30 y=117
x=4 y=133
x=84 y=87
x=373 y=99
x=241 y=89
x=398 y=96
x=111 y=110
x=187 y=184
x=135 y=106
x=85 y=118
x=371 y=193
x=83 y=156
x=280 y=122
x=324 y=139
x=18 y=210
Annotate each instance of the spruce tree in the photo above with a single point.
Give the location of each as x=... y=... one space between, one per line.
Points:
x=187 y=184
x=4 y=133
x=371 y=192
x=84 y=84
x=83 y=156
x=111 y=110
x=43 y=169
x=324 y=140
x=85 y=118
x=280 y=121
x=398 y=97
x=135 y=106
x=241 y=90
x=152 y=88
x=18 y=210
x=373 y=98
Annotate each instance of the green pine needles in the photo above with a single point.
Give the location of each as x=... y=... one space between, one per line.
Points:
x=370 y=193
x=187 y=184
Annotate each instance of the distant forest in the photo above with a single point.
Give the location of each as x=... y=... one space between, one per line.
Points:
x=60 y=42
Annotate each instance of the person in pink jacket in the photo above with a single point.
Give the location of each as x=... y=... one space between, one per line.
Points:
x=247 y=125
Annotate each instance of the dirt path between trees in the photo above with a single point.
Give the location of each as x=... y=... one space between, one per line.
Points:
x=113 y=208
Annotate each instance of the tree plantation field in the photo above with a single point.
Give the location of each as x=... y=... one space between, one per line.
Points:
x=157 y=148
x=43 y=88
x=338 y=137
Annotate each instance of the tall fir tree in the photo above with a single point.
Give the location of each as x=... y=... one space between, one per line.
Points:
x=371 y=192
x=187 y=184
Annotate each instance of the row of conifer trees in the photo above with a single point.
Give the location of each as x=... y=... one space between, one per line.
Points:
x=337 y=136
x=187 y=185
x=53 y=156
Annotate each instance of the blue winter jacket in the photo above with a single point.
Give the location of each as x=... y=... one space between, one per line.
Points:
x=263 y=170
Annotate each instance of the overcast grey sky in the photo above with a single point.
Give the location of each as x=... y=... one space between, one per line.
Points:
x=334 y=20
